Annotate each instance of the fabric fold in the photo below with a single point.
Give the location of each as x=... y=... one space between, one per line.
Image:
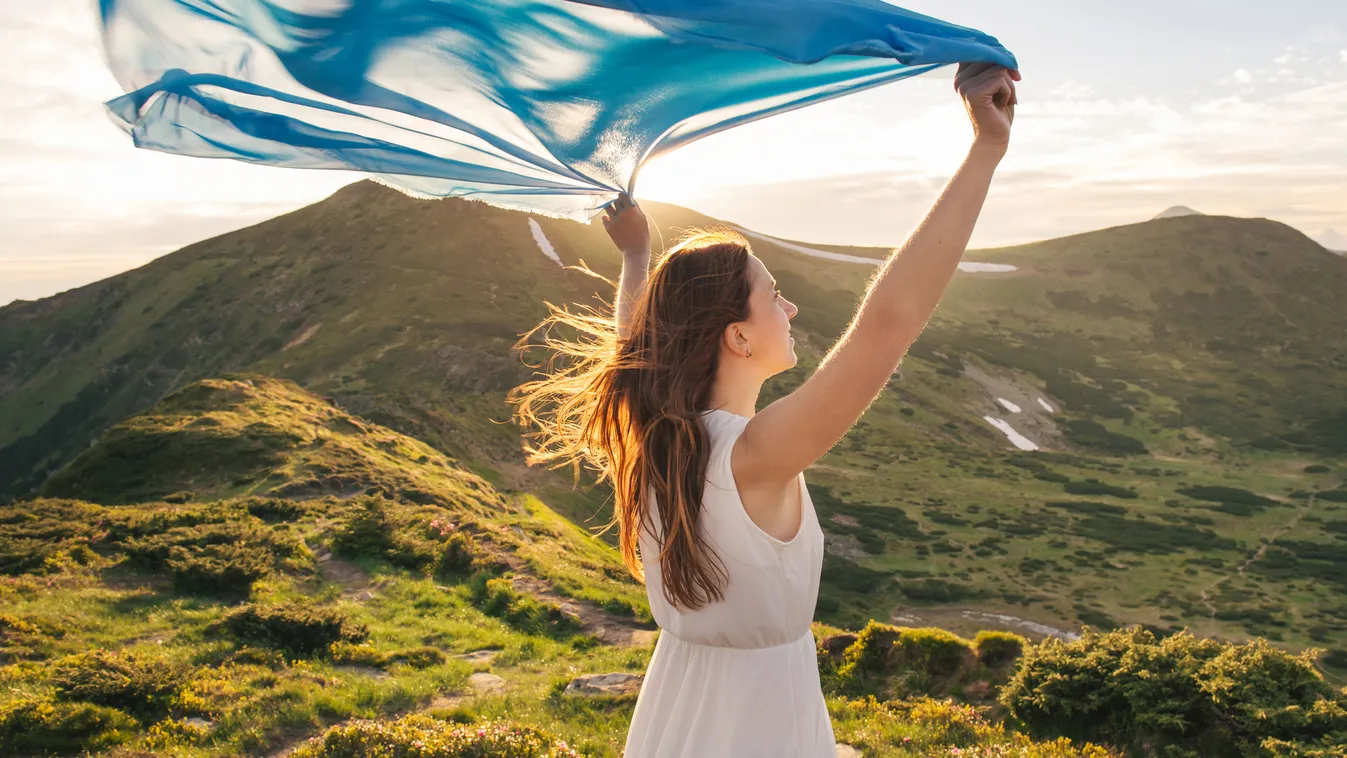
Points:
x=549 y=106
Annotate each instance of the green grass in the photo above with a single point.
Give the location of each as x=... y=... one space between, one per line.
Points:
x=353 y=621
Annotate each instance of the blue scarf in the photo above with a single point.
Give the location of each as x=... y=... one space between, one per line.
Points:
x=549 y=106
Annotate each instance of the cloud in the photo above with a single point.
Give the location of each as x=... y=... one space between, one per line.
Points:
x=1342 y=56
x=1242 y=76
x=1076 y=163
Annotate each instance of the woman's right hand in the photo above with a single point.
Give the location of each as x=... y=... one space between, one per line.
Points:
x=988 y=93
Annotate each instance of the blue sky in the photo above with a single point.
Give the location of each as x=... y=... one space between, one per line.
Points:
x=1235 y=108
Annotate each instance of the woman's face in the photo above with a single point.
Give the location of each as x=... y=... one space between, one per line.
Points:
x=766 y=333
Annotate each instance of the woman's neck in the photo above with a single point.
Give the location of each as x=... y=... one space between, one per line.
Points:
x=735 y=392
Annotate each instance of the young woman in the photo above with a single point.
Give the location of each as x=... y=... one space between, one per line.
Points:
x=710 y=495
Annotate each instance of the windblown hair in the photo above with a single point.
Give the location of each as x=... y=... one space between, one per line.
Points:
x=631 y=408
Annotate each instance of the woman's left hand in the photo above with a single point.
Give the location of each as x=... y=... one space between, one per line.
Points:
x=627 y=226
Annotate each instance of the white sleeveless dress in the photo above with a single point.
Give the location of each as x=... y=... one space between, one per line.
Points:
x=738 y=678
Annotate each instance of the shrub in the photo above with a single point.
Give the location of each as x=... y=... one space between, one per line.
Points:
x=1317 y=468
x=933 y=590
x=934 y=652
x=918 y=656
x=275 y=508
x=44 y=727
x=1198 y=697
x=998 y=648
x=124 y=680
x=927 y=728
x=20 y=639
x=152 y=551
x=457 y=556
x=498 y=597
x=367 y=530
x=1096 y=487
x=363 y=654
x=419 y=657
x=425 y=737
x=299 y=630
x=218 y=569
x=1218 y=494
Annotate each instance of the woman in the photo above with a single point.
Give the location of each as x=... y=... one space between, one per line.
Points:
x=710 y=495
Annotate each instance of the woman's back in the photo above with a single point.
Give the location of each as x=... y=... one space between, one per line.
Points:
x=737 y=677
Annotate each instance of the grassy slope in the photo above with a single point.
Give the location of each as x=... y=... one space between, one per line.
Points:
x=288 y=471
x=1191 y=336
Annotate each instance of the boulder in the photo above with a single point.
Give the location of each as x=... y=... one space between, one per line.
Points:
x=605 y=684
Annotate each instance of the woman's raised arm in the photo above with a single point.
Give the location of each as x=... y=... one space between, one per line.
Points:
x=627 y=227
x=790 y=434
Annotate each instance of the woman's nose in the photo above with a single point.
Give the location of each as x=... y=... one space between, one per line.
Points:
x=791 y=309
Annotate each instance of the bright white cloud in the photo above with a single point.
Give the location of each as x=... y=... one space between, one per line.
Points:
x=1243 y=76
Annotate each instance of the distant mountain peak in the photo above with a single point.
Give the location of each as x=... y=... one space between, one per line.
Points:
x=1177 y=211
x=1333 y=240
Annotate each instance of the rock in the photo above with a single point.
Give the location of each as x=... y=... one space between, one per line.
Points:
x=199 y=722
x=605 y=684
x=836 y=645
x=479 y=656
x=847 y=751
x=486 y=684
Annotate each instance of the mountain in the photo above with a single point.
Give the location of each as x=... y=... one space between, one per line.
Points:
x=1180 y=378
x=1177 y=211
x=1333 y=240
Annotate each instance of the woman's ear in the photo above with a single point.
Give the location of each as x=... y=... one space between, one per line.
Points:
x=736 y=341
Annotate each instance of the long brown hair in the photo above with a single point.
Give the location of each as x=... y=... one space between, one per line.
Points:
x=631 y=408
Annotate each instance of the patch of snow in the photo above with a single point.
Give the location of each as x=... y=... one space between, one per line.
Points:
x=1033 y=626
x=544 y=244
x=986 y=268
x=1008 y=405
x=970 y=266
x=1019 y=440
x=1045 y=405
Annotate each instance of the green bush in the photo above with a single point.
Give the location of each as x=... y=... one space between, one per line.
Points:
x=366 y=531
x=419 y=657
x=1218 y=494
x=1178 y=695
x=886 y=657
x=1096 y=487
x=498 y=597
x=125 y=680
x=297 y=629
x=218 y=569
x=26 y=556
x=935 y=652
x=998 y=648
x=363 y=654
x=21 y=639
x=275 y=508
x=44 y=727
x=418 y=736
x=933 y=590
x=1317 y=468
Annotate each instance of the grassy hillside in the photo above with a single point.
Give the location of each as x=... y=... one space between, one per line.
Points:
x=250 y=570
x=1182 y=378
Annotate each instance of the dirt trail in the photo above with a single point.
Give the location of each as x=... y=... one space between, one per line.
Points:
x=1262 y=549
x=353 y=579
x=618 y=631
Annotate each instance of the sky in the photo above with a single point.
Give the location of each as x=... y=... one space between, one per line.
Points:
x=1234 y=108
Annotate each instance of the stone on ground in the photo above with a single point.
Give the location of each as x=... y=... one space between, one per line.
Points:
x=605 y=684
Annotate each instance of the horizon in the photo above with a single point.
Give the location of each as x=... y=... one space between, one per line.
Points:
x=1242 y=119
